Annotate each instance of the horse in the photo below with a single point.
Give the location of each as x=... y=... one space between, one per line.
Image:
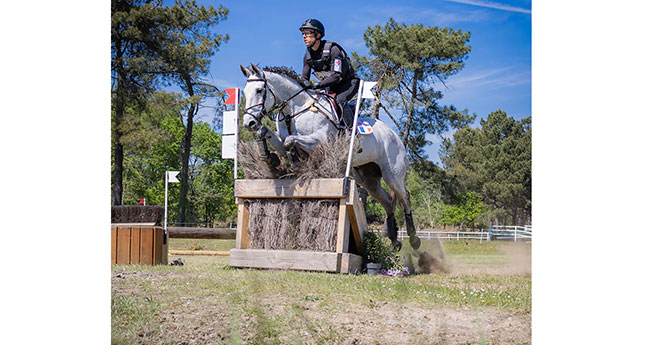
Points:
x=306 y=120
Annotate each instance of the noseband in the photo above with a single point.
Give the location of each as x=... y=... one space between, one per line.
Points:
x=260 y=115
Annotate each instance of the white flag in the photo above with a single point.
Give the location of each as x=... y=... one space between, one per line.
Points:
x=171 y=176
x=229 y=122
x=229 y=146
x=366 y=91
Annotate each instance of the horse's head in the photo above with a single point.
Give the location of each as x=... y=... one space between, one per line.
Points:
x=259 y=98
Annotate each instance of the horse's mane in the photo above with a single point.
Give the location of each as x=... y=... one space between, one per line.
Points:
x=286 y=71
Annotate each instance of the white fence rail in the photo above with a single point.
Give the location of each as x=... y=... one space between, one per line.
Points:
x=495 y=232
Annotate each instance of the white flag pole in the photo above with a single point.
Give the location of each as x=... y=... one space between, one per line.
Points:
x=237 y=106
x=165 y=222
x=355 y=118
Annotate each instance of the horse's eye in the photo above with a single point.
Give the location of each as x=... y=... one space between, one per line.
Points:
x=259 y=90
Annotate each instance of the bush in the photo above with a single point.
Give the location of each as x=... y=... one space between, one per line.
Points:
x=373 y=248
x=375 y=251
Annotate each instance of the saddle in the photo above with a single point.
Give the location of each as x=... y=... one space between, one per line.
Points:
x=349 y=110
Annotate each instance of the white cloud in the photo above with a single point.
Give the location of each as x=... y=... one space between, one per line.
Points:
x=413 y=15
x=222 y=84
x=496 y=78
x=491 y=4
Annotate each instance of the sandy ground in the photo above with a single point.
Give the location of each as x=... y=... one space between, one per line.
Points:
x=208 y=321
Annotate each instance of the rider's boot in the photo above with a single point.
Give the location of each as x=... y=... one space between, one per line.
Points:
x=347 y=116
x=393 y=232
x=410 y=228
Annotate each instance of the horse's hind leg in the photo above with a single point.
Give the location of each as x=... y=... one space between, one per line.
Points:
x=368 y=176
x=398 y=187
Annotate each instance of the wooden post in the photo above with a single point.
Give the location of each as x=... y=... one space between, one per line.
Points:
x=123 y=246
x=357 y=216
x=242 y=238
x=113 y=241
x=343 y=226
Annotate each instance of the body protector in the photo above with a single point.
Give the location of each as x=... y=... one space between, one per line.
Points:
x=331 y=70
x=335 y=72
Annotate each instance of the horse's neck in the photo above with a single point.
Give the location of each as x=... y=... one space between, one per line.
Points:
x=285 y=88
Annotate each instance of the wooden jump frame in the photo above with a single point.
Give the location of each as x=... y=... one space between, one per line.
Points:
x=352 y=221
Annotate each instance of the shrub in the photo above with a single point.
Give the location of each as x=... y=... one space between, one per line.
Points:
x=373 y=248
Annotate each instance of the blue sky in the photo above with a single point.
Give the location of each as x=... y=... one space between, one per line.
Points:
x=497 y=73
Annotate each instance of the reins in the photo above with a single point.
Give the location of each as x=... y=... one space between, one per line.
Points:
x=279 y=107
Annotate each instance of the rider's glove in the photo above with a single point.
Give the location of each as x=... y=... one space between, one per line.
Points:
x=307 y=84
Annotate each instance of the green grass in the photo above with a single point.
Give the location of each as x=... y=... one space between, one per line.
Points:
x=187 y=244
x=271 y=307
x=137 y=316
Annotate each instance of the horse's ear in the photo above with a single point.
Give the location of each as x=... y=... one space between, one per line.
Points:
x=246 y=72
x=256 y=69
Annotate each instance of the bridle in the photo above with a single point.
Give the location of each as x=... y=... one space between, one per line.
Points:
x=260 y=115
x=276 y=107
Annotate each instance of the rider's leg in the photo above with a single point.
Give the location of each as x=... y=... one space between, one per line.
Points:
x=345 y=92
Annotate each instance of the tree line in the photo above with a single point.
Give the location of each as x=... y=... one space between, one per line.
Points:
x=485 y=175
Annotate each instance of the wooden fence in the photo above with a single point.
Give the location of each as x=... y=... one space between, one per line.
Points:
x=495 y=232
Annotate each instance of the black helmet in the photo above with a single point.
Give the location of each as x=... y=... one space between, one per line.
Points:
x=314 y=25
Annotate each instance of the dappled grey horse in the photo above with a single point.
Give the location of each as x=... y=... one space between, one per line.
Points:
x=307 y=120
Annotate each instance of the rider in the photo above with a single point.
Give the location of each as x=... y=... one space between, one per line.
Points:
x=331 y=64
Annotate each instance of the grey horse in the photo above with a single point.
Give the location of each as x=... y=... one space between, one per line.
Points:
x=311 y=123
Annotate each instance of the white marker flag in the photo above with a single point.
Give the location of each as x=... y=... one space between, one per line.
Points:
x=366 y=92
x=171 y=176
x=229 y=122
x=229 y=146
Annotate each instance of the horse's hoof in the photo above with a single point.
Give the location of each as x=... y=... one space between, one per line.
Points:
x=415 y=242
x=396 y=245
x=273 y=160
x=261 y=132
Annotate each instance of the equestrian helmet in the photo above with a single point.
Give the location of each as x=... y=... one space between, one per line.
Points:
x=314 y=25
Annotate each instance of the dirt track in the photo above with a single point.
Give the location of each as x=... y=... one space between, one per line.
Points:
x=205 y=315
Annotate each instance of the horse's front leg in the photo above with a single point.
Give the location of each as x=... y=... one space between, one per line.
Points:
x=305 y=142
x=266 y=133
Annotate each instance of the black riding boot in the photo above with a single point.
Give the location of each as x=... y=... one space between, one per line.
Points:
x=347 y=116
x=393 y=232
x=410 y=228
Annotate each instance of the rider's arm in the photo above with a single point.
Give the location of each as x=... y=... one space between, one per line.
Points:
x=307 y=69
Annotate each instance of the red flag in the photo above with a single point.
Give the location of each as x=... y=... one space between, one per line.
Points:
x=232 y=96
x=141 y=201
